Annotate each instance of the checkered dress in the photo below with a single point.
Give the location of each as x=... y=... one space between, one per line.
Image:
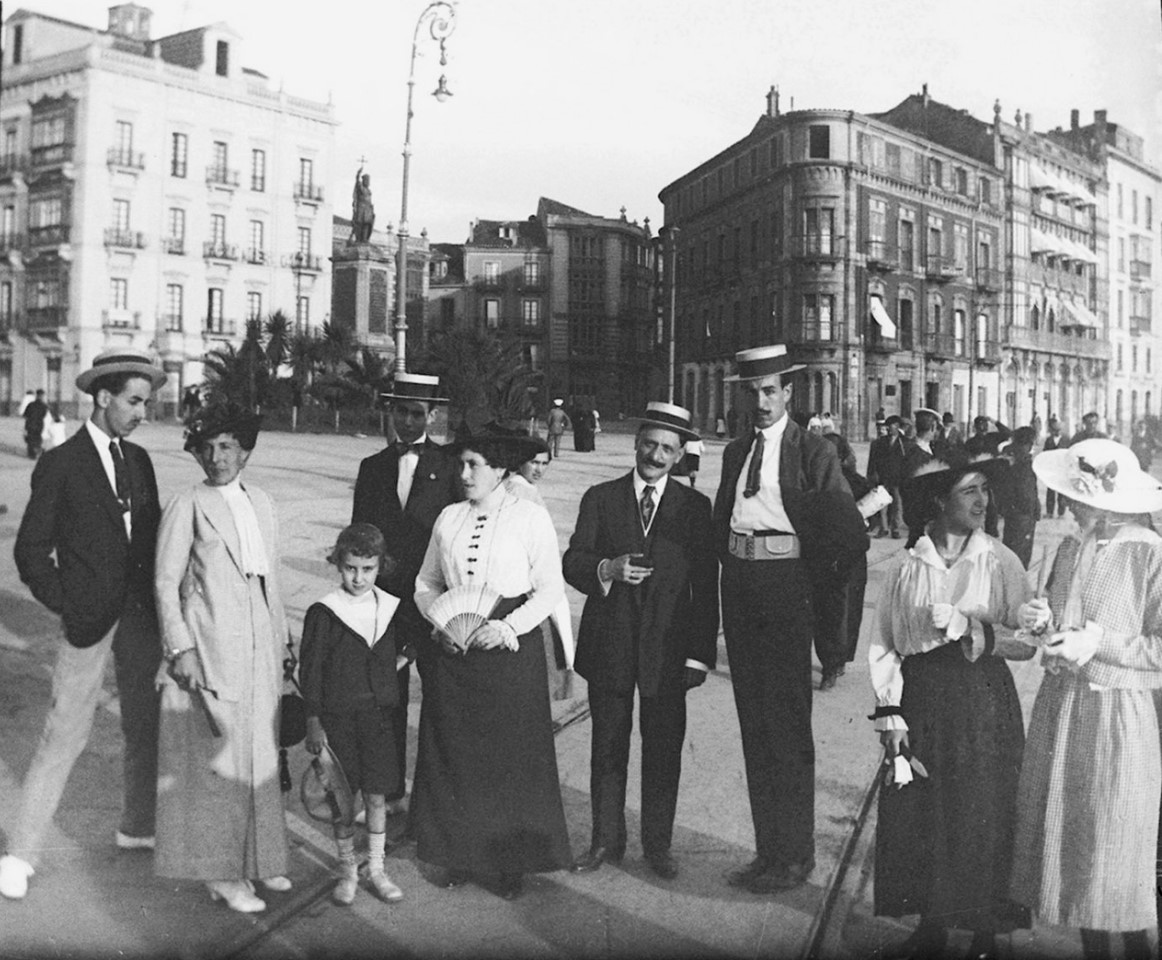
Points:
x=1088 y=800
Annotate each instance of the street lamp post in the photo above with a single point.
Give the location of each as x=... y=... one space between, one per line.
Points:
x=440 y=18
x=671 y=372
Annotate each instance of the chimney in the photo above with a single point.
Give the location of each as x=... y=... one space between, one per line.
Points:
x=1074 y=120
x=1099 y=122
x=773 y=101
x=1029 y=122
x=924 y=95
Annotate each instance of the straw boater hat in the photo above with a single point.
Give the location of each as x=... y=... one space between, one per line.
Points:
x=759 y=362
x=669 y=416
x=414 y=386
x=1101 y=473
x=926 y=410
x=122 y=360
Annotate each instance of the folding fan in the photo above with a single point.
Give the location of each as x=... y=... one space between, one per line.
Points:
x=459 y=611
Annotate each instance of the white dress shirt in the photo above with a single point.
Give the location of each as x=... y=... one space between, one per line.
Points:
x=763 y=511
x=407 y=472
x=101 y=441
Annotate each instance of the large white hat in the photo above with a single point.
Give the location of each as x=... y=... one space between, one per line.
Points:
x=1102 y=473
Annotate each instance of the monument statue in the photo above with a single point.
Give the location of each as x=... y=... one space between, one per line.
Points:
x=362 y=209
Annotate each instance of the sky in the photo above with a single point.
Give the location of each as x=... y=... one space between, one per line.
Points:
x=600 y=104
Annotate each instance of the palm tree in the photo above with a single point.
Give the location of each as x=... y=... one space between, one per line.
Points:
x=253 y=359
x=227 y=377
x=278 y=340
x=337 y=346
x=485 y=375
x=303 y=354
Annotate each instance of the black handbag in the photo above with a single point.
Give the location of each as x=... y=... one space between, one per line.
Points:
x=292 y=721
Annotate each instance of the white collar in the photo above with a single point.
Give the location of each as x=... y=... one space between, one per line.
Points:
x=774 y=433
x=639 y=485
x=978 y=542
x=343 y=605
x=100 y=438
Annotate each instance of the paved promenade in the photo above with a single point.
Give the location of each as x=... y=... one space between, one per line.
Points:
x=88 y=899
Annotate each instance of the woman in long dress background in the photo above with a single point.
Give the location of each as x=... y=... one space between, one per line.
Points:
x=487 y=794
x=219 y=807
x=1089 y=791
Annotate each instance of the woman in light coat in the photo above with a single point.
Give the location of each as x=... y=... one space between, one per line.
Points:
x=1088 y=801
x=219 y=808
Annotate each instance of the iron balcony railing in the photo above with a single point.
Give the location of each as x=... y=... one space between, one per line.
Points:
x=220 y=176
x=219 y=327
x=128 y=239
x=127 y=159
x=216 y=250
x=308 y=191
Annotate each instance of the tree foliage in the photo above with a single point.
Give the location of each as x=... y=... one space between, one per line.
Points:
x=483 y=374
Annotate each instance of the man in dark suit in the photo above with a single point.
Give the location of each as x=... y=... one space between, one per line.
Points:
x=1089 y=430
x=778 y=484
x=643 y=553
x=402 y=490
x=1054 y=502
x=85 y=548
x=885 y=467
x=925 y=447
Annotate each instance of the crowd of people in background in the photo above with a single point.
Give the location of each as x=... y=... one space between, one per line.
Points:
x=451 y=563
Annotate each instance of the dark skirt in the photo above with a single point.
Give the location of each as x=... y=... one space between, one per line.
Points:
x=944 y=844
x=487 y=798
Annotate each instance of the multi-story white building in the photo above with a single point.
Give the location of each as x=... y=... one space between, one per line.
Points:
x=153 y=193
x=1135 y=190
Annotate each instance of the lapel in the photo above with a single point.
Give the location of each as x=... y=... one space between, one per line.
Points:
x=666 y=513
x=790 y=458
x=426 y=467
x=94 y=471
x=213 y=506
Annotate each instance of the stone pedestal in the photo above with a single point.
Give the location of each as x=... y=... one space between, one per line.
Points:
x=363 y=281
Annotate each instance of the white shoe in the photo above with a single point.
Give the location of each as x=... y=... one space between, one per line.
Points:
x=237 y=894
x=277 y=884
x=126 y=842
x=384 y=887
x=344 y=892
x=14 y=874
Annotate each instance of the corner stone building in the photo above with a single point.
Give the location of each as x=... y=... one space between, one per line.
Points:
x=880 y=249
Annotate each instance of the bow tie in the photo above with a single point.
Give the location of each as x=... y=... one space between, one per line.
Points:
x=401 y=448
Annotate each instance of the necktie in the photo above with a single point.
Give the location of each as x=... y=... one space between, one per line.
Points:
x=647 y=506
x=121 y=475
x=756 y=466
x=401 y=448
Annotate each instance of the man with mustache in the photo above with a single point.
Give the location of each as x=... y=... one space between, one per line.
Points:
x=643 y=553
x=782 y=517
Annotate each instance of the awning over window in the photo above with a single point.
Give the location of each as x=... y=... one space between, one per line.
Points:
x=1041 y=242
x=1080 y=316
x=880 y=316
x=1051 y=183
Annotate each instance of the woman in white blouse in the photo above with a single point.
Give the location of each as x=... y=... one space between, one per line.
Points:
x=219 y=808
x=945 y=697
x=487 y=800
